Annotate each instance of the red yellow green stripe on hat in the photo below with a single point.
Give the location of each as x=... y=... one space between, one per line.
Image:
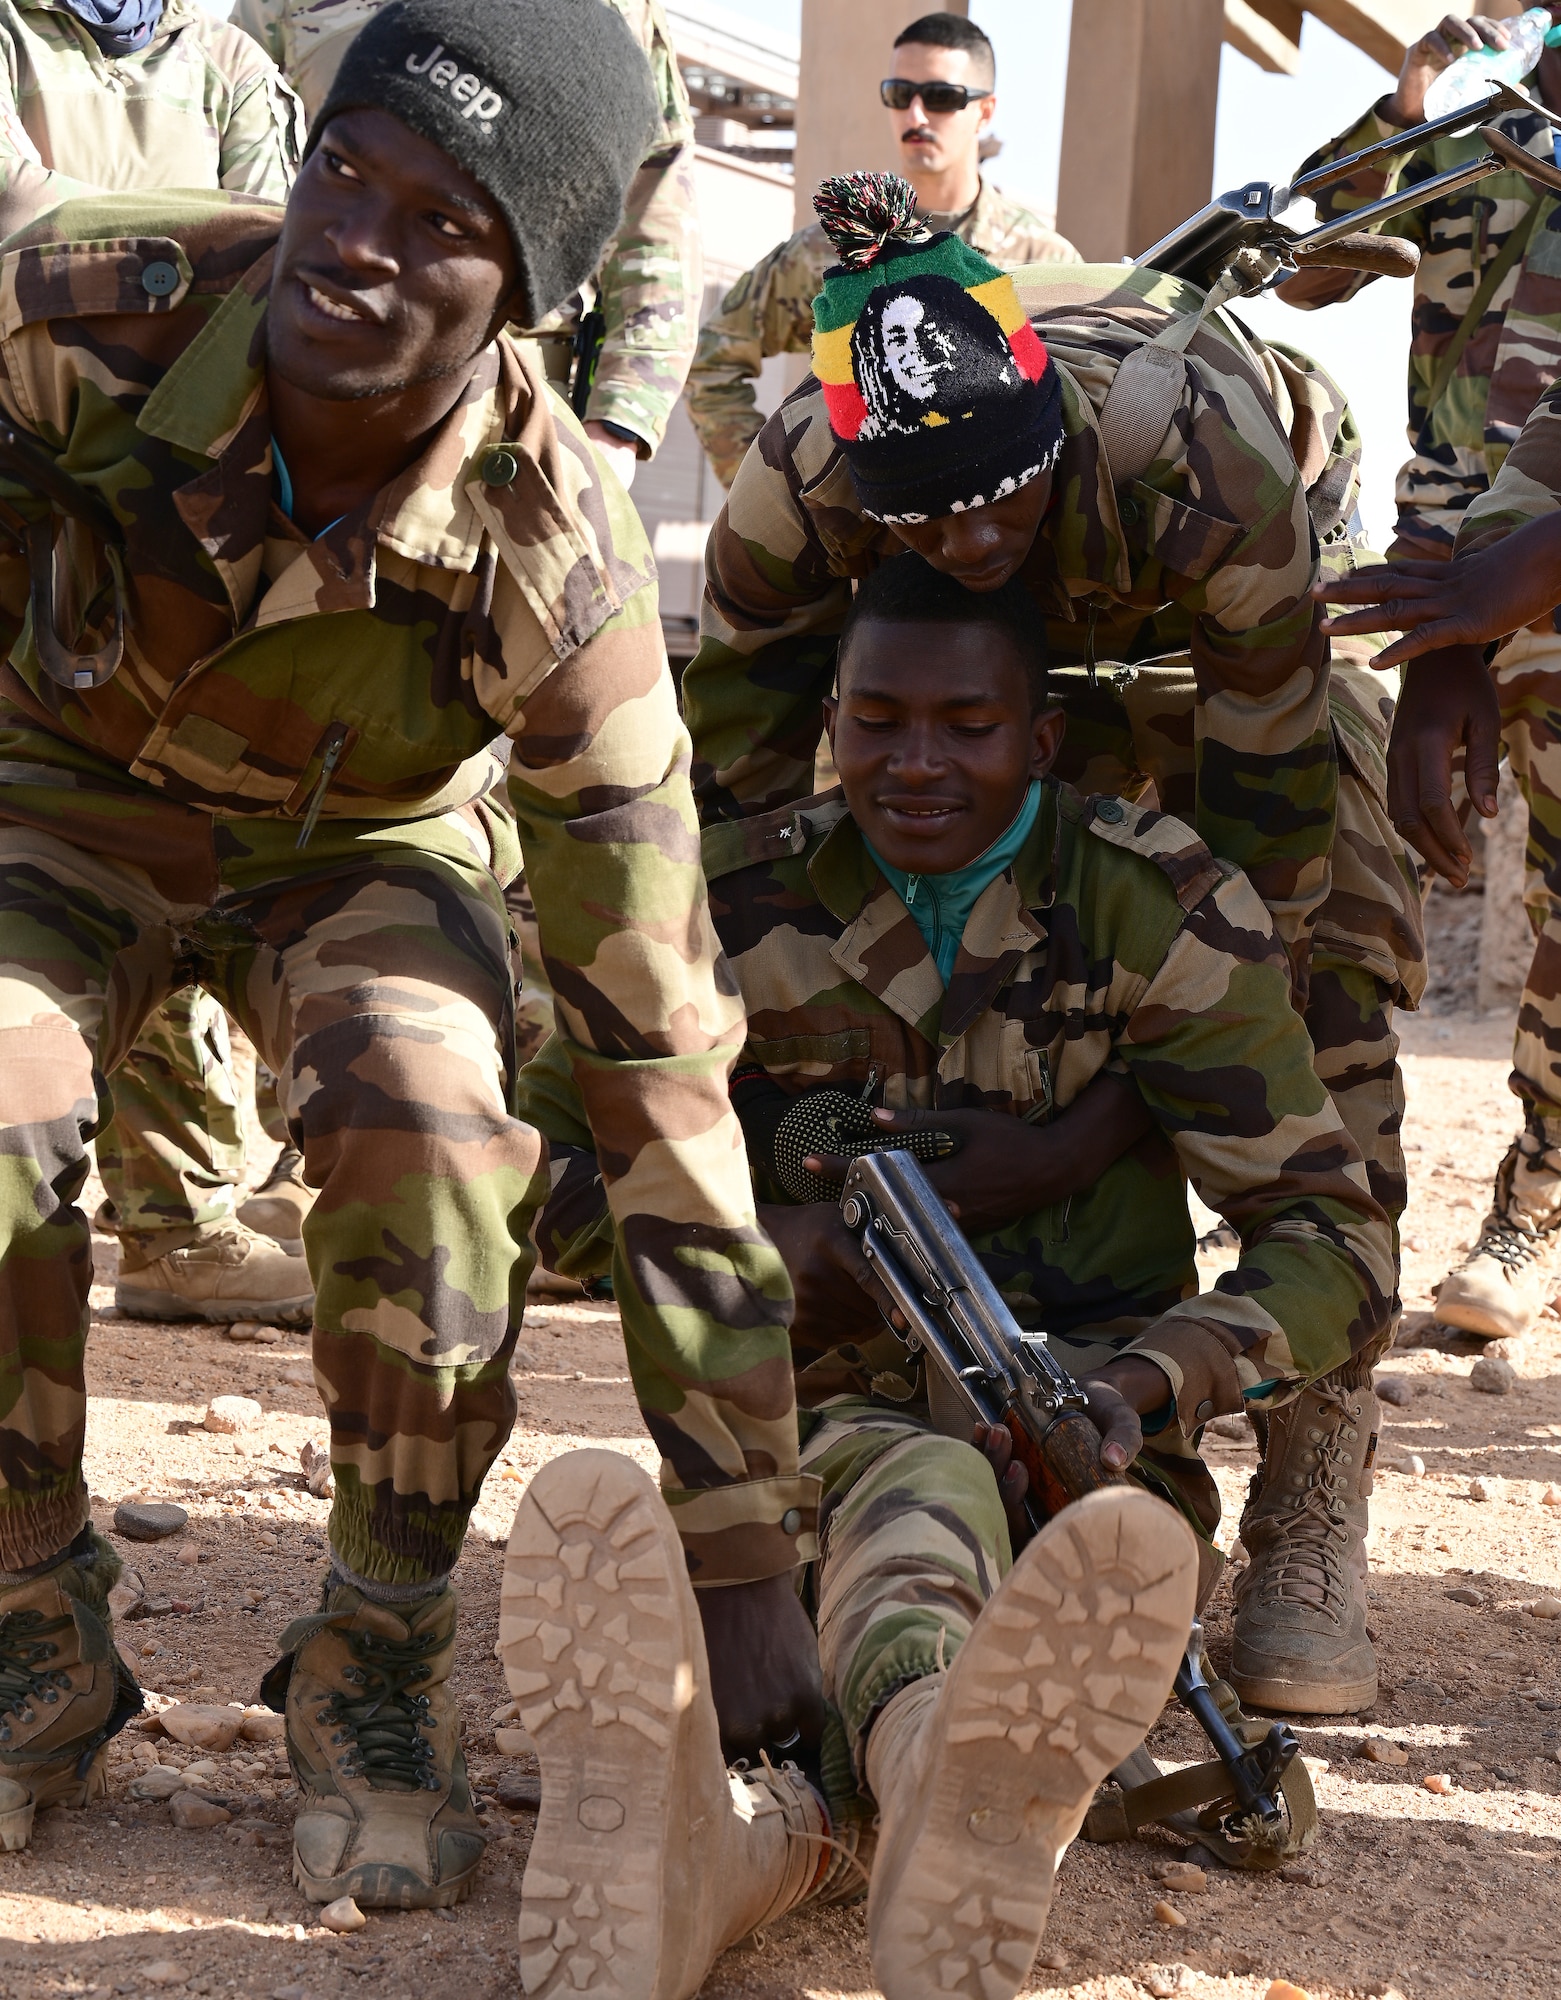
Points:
x=839 y=306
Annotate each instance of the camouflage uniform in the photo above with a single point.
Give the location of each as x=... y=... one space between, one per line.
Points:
x=1114 y=942
x=649 y=284
x=498 y=587
x=770 y=311
x=1225 y=700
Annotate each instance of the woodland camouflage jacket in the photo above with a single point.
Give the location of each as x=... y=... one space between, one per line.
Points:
x=649 y=285
x=499 y=587
x=1115 y=941
x=199 y=106
x=770 y=311
x=1458 y=445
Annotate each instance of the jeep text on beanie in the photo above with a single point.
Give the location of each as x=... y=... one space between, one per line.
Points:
x=547 y=104
x=940 y=391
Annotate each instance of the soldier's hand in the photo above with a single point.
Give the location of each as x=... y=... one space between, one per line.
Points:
x=623 y=457
x=764 y=1671
x=1480 y=597
x=1116 y=1397
x=830 y=1278
x=1448 y=704
x=1425 y=60
x=996 y=1445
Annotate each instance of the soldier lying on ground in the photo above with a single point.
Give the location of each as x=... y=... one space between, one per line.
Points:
x=1192 y=554
x=941 y=99
x=1097 y=1011
x=364 y=546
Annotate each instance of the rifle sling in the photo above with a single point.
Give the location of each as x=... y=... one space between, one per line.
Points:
x=1495 y=271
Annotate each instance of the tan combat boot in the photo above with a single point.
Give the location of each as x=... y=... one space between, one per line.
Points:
x=1502 y=1286
x=1300 y=1641
x=373 y=1737
x=278 y=1206
x=983 y=1775
x=228 y=1272
x=649 y=1858
x=64 y=1690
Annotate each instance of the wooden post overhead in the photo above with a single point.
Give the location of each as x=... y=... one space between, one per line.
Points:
x=841 y=126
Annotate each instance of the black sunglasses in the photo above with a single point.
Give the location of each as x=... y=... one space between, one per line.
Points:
x=899 y=94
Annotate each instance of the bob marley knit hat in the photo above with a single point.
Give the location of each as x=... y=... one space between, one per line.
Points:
x=940 y=391
x=547 y=104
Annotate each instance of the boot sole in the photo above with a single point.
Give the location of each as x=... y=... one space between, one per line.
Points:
x=375 y=1887
x=1476 y=1320
x=22 y=1798
x=1291 y=1697
x=1061 y=1679
x=214 y=1312
x=597 y=1640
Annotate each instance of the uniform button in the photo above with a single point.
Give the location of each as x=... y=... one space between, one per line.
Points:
x=499 y=467
x=160 y=278
x=1204 y=1411
x=1128 y=510
x=1110 y=810
x=791 y=1521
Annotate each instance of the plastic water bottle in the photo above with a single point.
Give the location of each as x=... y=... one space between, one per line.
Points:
x=1474 y=74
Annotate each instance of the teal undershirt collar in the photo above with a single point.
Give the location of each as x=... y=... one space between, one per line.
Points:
x=941 y=904
x=284 y=487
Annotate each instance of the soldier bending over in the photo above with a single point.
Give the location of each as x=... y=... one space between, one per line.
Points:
x=1097 y=1011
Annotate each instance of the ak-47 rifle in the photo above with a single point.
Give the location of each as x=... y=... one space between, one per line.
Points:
x=1241 y=242
x=1253 y=1802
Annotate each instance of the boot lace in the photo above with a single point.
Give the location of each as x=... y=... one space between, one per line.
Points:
x=1508 y=1243
x=27 y=1642
x=1306 y=1560
x=384 y=1723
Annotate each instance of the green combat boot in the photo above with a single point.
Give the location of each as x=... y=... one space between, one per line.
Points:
x=64 y=1690
x=375 y=1744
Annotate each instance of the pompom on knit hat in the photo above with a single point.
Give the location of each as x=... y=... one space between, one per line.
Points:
x=547 y=104
x=939 y=390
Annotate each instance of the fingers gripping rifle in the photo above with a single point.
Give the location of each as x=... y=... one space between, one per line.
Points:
x=25 y=462
x=1253 y=1802
x=1241 y=243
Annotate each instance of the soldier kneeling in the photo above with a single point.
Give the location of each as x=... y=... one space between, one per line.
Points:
x=1096 y=1012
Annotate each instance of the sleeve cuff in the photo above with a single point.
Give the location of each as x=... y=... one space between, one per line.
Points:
x=747 y=1531
x=1203 y=1372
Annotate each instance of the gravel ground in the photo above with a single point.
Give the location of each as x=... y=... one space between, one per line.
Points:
x=1409 y=1891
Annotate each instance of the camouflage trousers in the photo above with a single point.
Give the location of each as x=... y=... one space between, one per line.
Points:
x=173 y=1152
x=1527 y=674
x=372 y=976
x=1134 y=726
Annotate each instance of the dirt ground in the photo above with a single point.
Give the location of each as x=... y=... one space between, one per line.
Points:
x=1407 y=1891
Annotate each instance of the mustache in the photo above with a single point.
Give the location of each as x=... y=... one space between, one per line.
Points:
x=917 y=132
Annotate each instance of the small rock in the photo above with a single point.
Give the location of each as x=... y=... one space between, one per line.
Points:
x=513 y=1743
x=316 y=1462
x=297 y=1375
x=227 y=1415
x=1051 y=1958
x=1395 y=1389
x=343 y=1915
x=1485 y=1489
x=160 y=1782
x=1377 y=1750
x=1438 y=1782
x=1505 y=1772
x=149 y=1520
x=125 y=1599
x=1304 y=1874
x=1165 y=1913
x=1182 y=1875
x=1165 y=1980
x=203 y=1725
x=243 y=1329
x=1464 y=1594
x=1551 y=1497
x=1492 y=1376
x=1281 y=1989
x=188 y=1553
x=520 y=1794
x=1545 y=1607
x=262 y=1725
x=1235 y=1427
x=163 y=1972
x=189 y=1809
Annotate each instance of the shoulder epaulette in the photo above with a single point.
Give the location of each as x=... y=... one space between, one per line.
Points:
x=1170 y=844
x=775 y=836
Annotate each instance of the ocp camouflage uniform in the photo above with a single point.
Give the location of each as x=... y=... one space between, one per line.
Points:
x=1114 y=942
x=649 y=284
x=498 y=587
x=1466 y=412
x=1197 y=577
x=770 y=311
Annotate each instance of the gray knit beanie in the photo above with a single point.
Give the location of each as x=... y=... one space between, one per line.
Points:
x=547 y=104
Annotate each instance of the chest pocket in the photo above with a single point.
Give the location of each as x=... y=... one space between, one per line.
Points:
x=816 y=1058
x=1543 y=254
x=1171 y=533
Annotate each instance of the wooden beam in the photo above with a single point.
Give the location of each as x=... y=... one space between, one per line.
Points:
x=1267 y=32
x=1138 y=130
x=1384 y=29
